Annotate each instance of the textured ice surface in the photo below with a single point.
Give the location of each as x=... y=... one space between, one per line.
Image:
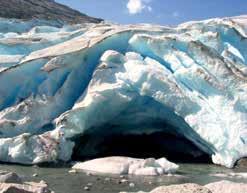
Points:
x=128 y=166
x=58 y=82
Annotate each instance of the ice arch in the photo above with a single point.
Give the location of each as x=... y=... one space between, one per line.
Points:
x=60 y=84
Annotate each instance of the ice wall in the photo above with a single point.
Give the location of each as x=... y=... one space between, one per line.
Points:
x=58 y=82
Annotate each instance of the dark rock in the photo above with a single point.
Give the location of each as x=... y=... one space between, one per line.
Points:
x=42 y=9
x=242 y=163
x=9 y=177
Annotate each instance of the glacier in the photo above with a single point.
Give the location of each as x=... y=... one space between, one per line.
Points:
x=61 y=82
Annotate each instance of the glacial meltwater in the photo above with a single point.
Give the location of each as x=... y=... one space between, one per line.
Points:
x=61 y=181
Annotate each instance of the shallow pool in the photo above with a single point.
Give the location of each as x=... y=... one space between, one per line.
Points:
x=61 y=181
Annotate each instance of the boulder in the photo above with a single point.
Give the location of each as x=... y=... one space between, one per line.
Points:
x=9 y=177
x=242 y=163
x=216 y=187
x=183 y=188
x=10 y=182
x=227 y=187
x=24 y=188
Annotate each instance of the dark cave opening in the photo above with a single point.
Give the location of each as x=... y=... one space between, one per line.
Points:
x=143 y=129
x=159 y=144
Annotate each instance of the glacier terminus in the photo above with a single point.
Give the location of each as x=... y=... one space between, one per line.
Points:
x=65 y=88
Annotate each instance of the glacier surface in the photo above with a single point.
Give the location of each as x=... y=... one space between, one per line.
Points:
x=58 y=83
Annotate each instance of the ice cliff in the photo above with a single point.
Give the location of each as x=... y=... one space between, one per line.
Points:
x=60 y=83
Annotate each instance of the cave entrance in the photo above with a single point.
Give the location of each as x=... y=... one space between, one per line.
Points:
x=144 y=129
x=158 y=144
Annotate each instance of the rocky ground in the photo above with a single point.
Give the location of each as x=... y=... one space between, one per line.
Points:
x=11 y=183
x=216 y=187
x=42 y=9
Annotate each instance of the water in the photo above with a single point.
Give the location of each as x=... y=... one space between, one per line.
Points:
x=61 y=181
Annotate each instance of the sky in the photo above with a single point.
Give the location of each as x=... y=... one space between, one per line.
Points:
x=164 y=12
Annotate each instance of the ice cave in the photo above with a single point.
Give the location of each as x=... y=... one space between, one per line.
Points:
x=73 y=92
